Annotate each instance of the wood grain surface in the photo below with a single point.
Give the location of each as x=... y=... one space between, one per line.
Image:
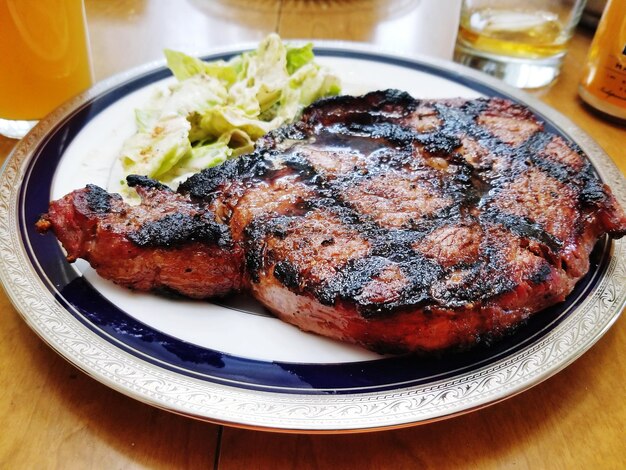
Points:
x=55 y=416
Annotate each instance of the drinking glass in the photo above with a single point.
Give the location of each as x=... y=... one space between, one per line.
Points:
x=521 y=42
x=44 y=59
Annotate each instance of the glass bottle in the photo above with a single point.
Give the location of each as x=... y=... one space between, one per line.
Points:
x=603 y=85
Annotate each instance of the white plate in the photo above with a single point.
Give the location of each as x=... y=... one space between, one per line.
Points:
x=232 y=362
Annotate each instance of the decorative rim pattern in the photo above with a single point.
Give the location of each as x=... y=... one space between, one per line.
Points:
x=288 y=411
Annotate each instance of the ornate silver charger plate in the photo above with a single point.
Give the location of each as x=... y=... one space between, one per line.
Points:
x=230 y=362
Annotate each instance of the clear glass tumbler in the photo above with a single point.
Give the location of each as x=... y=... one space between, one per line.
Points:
x=521 y=42
x=44 y=57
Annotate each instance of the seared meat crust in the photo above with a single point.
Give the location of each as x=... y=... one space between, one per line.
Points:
x=167 y=243
x=394 y=223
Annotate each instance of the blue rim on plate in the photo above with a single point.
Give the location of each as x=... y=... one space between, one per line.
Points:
x=147 y=346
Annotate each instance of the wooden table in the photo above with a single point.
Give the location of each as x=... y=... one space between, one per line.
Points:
x=54 y=416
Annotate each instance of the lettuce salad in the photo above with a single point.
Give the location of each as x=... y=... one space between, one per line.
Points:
x=217 y=110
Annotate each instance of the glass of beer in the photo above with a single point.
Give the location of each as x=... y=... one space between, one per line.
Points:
x=520 y=42
x=44 y=57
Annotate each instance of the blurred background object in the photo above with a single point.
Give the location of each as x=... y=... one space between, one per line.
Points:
x=523 y=43
x=408 y=26
x=127 y=33
x=137 y=31
x=592 y=13
x=603 y=84
x=45 y=60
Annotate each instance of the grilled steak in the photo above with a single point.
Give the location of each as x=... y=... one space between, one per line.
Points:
x=395 y=223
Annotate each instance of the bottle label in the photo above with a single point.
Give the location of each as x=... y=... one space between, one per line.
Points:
x=604 y=77
x=609 y=82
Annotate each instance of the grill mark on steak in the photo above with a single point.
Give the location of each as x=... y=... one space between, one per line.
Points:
x=98 y=200
x=342 y=186
x=523 y=227
x=346 y=189
x=352 y=277
x=178 y=229
x=145 y=182
x=392 y=222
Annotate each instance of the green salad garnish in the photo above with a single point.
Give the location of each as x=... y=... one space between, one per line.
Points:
x=217 y=110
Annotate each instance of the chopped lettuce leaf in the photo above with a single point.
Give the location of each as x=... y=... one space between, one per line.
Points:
x=184 y=67
x=196 y=94
x=222 y=119
x=199 y=158
x=243 y=97
x=156 y=150
x=206 y=155
x=145 y=118
x=298 y=57
x=217 y=110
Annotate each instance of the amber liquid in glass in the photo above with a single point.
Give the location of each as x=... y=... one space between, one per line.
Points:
x=44 y=56
x=523 y=34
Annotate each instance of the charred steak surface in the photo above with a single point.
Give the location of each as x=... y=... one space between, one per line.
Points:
x=398 y=224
